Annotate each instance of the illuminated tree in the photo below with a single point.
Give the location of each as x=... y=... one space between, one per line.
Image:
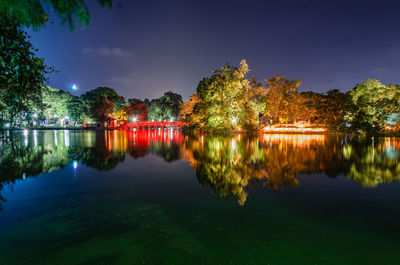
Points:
x=393 y=120
x=137 y=110
x=254 y=101
x=372 y=104
x=21 y=73
x=55 y=104
x=280 y=93
x=121 y=114
x=102 y=102
x=78 y=110
x=192 y=112
x=165 y=108
x=227 y=100
x=102 y=109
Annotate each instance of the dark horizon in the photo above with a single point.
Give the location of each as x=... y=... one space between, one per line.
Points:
x=145 y=49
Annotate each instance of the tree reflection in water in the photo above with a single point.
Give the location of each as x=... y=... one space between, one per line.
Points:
x=229 y=165
x=371 y=163
x=226 y=164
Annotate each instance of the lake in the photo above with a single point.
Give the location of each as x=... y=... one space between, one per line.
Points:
x=124 y=197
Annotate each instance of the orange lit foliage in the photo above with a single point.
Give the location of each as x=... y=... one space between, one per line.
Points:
x=228 y=165
x=137 y=111
x=282 y=95
x=191 y=111
x=121 y=114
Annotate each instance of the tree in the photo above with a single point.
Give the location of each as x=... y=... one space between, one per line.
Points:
x=165 y=108
x=102 y=109
x=254 y=100
x=78 y=111
x=301 y=107
x=21 y=73
x=192 y=112
x=336 y=104
x=372 y=104
x=102 y=103
x=228 y=100
x=280 y=90
x=55 y=104
x=36 y=13
x=121 y=114
x=137 y=110
x=171 y=101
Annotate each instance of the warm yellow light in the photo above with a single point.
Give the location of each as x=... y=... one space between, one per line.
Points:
x=293 y=130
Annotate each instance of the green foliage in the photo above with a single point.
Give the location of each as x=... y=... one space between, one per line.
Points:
x=55 y=104
x=393 y=119
x=78 y=111
x=372 y=104
x=165 y=108
x=22 y=74
x=227 y=100
x=102 y=103
x=36 y=13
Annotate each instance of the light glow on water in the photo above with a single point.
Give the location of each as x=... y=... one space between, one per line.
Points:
x=187 y=194
x=75 y=165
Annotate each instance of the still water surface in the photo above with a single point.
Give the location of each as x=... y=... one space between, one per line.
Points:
x=117 y=197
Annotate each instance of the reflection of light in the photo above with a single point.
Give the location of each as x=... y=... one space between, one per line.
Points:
x=26 y=137
x=35 y=115
x=75 y=165
x=293 y=129
x=35 y=137
x=66 y=138
x=55 y=138
x=233 y=144
x=300 y=140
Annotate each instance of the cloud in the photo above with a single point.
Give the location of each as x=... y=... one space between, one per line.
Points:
x=106 y=51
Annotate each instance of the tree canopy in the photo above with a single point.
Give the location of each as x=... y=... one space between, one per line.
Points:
x=164 y=108
x=373 y=105
x=36 y=13
x=21 y=73
x=225 y=100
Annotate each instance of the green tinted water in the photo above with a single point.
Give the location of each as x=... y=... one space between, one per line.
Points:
x=116 y=197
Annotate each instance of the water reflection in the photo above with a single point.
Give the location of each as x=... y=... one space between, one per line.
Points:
x=228 y=165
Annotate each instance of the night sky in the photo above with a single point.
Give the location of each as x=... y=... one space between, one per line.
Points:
x=145 y=48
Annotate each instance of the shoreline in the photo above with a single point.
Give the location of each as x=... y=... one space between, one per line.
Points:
x=215 y=133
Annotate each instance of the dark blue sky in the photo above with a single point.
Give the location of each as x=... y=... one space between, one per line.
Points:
x=144 y=48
